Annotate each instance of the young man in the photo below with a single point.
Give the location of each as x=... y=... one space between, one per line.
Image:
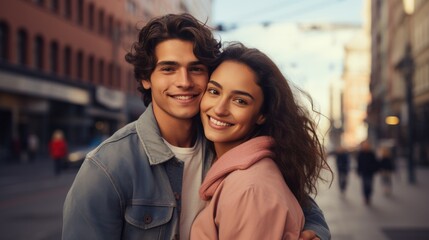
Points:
x=142 y=182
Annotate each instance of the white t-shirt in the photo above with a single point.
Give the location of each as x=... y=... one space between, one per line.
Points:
x=192 y=178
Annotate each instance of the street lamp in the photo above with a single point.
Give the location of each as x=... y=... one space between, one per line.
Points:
x=406 y=67
x=392 y=120
x=409 y=6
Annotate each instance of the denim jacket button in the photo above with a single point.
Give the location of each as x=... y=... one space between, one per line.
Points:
x=176 y=195
x=147 y=219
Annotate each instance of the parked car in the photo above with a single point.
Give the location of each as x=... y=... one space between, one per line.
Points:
x=76 y=156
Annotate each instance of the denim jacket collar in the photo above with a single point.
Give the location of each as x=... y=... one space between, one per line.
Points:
x=150 y=137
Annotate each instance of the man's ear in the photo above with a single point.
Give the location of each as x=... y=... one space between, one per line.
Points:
x=146 y=84
x=260 y=120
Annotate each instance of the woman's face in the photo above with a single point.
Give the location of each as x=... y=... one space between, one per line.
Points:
x=231 y=105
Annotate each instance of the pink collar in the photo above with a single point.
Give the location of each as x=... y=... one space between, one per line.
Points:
x=241 y=157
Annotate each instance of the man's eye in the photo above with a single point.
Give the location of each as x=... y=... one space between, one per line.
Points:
x=197 y=69
x=167 y=69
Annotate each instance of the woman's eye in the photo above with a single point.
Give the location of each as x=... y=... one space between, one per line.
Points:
x=241 y=101
x=212 y=91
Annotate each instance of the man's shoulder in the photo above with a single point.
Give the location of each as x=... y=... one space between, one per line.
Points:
x=123 y=145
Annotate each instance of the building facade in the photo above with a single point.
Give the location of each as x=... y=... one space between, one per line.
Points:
x=350 y=95
x=62 y=66
x=392 y=31
x=356 y=95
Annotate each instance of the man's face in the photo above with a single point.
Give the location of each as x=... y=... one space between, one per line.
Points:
x=178 y=81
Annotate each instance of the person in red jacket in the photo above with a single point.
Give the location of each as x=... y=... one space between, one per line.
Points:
x=58 y=150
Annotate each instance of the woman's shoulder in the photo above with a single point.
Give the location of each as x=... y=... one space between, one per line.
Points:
x=262 y=177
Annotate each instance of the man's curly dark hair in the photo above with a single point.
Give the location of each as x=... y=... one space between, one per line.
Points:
x=172 y=26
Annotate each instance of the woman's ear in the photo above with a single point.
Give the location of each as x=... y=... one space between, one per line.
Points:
x=260 y=120
x=146 y=84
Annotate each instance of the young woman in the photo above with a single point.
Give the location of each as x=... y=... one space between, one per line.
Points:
x=268 y=155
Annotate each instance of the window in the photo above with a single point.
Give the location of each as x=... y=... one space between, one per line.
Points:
x=101 y=71
x=129 y=29
x=131 y=82
x=67 y=61
x=110 y=27
x=54 y=6
x=117 y=32
x=80 y=12
x=39 y=2
x=53 y=57
x=38 y=53
x=79 y=61
x=68 y=9
x=91 y=16
x=101 y=22
x=4 y=41
x=110 y=77
x=91 y=69
x=131 y=7
x=117 y=79
x=22 y=47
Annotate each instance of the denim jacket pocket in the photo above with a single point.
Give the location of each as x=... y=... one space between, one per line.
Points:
x=147 y=216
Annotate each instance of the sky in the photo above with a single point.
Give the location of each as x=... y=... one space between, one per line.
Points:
x=311 y=60
x=253 y=11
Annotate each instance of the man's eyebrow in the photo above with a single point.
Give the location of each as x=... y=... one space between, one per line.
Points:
x=174 y=63
x=196 y=63
x=164 y=63
x=235 y=91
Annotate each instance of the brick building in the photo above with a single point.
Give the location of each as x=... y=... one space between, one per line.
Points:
x=62 y=66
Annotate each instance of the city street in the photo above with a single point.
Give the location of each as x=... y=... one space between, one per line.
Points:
x=403 y=215
x=31 y=200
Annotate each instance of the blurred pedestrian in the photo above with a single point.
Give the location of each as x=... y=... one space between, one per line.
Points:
x=58 y=150
x=33 y=146
x=387 y=167
x=16 y=148
x=343 y=167
x=367 y=167
x=24 y=147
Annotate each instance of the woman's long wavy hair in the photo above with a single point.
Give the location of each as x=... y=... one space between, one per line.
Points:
x=171 y=26
x=298 y=152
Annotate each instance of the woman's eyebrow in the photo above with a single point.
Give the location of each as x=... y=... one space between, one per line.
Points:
x=234 y=91
x=215 y=83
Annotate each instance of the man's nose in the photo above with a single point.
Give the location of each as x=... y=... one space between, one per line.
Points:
x=184 y=79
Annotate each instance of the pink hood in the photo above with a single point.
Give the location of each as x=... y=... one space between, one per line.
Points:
x=255 y=149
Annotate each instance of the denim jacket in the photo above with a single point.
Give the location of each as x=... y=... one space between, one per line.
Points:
x=123 y=190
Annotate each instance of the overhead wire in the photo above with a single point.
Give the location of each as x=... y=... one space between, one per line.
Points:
x=280 y=5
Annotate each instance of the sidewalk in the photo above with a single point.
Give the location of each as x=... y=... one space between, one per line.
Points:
x=26 y=171
x=402 y=216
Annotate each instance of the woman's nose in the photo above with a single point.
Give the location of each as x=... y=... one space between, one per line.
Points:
x=221 y=107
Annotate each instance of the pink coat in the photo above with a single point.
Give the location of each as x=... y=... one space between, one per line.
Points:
x=247 y=197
